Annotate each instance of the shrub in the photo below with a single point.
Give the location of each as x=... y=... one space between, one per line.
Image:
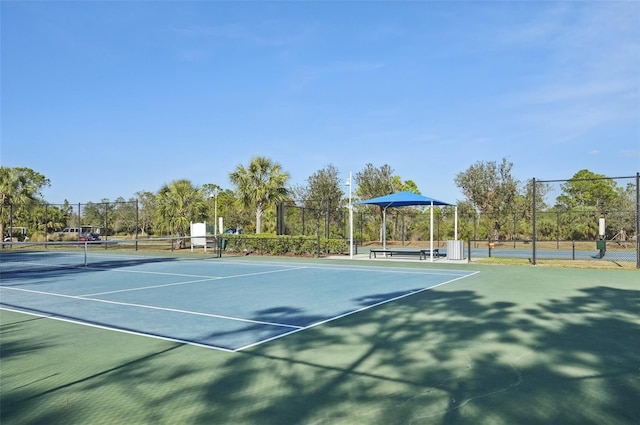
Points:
x=37 y=237
x=283 y=245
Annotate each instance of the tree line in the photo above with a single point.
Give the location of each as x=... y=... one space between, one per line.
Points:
x=497 y=205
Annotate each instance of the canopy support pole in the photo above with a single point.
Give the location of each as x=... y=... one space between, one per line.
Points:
x=431 y=235
x=384 y=228
x=455 y=235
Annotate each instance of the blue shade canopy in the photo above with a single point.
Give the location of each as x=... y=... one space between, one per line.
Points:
x=402 y=199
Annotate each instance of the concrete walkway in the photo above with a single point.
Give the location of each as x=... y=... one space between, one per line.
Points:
x=411 y=258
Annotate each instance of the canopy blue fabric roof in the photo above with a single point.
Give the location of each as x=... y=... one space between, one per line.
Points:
x=405 y=199
x=402 y=199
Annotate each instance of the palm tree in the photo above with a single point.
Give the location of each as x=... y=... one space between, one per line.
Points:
x=178 y=204
x=260 y=184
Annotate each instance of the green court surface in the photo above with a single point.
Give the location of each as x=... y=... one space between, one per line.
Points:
x=507 y=345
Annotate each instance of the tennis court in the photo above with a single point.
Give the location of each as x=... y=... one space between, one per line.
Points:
x=214 y=303
x=318 y=341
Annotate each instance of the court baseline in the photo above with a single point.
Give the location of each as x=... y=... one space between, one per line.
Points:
x=230 y=316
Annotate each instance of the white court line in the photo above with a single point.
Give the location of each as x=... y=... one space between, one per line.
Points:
x=193 y=275
x=376 y=269
x=108 y=269
x=210 y=278
x=295 y=329
x=141 y=288
x=111 y=270
x=113 y=329
x=322 y=322
x=150 y=307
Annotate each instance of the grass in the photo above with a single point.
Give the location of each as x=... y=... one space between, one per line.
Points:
x=503 y=261
x=510 y=345
x=572 y=264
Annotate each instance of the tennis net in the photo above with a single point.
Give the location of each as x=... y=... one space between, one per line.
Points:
x=33 y=256
x=16 y=257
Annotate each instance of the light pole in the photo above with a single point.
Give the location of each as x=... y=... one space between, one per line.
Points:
x=348 y=183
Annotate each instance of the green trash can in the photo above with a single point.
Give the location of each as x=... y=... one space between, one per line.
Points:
x=601 y=245
x=223 y=244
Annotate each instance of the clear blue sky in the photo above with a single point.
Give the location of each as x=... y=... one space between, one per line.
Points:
x=110 y=98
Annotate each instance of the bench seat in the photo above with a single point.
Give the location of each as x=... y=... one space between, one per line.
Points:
x=423 y=253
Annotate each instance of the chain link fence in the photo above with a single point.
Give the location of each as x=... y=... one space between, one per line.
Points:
x=550 y=227
x=593 y=219
x=60 y=222
x=591 y=222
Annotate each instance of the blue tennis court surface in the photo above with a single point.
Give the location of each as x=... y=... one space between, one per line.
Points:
x=227 y=305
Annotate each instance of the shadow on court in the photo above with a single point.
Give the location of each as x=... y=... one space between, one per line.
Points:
x=480 y=351
x=42 y=270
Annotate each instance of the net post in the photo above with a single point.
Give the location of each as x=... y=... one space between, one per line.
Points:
x=86 y=248
x=217 y=246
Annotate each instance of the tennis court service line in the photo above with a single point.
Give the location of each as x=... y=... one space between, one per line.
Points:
x=150 y=307
x=374 y=269
x=195 y=275
x=141 y=288
x=206 y=278
x=144 y=272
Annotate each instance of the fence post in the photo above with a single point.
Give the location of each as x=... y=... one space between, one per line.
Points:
x=106 y=222
x=138 y=223
x=558 y=230
x=10 y=224
x=515 y=228
x=279 y=218
x=327 y=220
x=637 y=220
x=318 y=235
x=534 y=236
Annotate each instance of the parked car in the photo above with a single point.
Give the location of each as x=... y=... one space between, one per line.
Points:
x=16 y=234
x=88 y=237
x=233 y=231
x=83 y=233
